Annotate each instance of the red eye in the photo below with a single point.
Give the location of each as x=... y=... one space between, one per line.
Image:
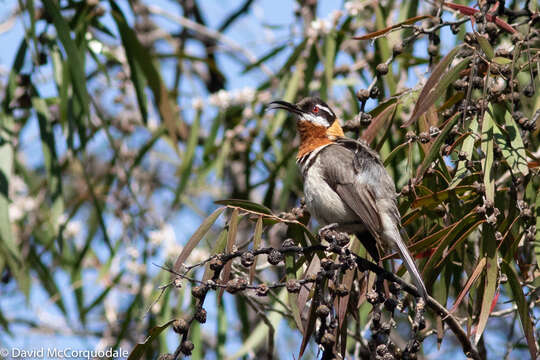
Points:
x=316 y=109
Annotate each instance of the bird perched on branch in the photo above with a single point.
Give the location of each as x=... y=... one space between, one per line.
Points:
x=346 y=186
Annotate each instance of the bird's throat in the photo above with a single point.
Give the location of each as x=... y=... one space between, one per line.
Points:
x=314 y=136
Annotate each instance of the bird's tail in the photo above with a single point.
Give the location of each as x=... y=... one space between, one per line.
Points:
x=410 y=265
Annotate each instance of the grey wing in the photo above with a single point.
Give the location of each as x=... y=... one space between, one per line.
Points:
x=343 y=175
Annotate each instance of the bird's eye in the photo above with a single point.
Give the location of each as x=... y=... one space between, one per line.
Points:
x=315 y=109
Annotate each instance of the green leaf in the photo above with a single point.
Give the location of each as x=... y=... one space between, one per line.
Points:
x=8 y=243
x=196 y=238
x=275 y=51
x=290 y=93
x=467 y=147
x=231 y=239
x=510 y=142
x=75 y=62
x=50 y=161
x=522 y=306
x=257 y=236
x=329 y=57
x=490 y=278
x=153 y=77
x=487 y=162
x=139 y=349
x=131 y=47
x=219 y=246
x=485 y=45
x=436 y=147
x=245 y=205
x=185 y=170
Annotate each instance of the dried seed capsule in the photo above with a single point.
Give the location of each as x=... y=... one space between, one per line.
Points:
x=187 y=347
x=275 y=257
x=236 y=285
x=381 y=349
x=382 y=69
x=528 y=91
x=199 y=292
x=200 y=315
x=460 y=84
x=322 y=311
x=180 y=326
x=288 y=243
x=292 y=286
x=247 y=259
x=372 y=297
x=362 y=95
x=328 y=339
x=216 y=264
x=365 y=119
x=262 y=290
x=326 y=264
x=423 y=137
x=397 y=49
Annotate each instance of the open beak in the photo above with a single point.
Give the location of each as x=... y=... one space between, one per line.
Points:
x=292 y=108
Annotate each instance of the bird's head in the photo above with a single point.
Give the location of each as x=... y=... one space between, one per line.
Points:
x=312 y=115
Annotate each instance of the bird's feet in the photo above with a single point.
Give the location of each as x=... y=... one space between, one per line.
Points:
x=326 y=231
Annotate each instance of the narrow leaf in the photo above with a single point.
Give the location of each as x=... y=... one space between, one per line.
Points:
x=487 y=162
x=378 y=33
x=424 y=102
x=196 y=238
x=231 y=239
x=256 y=244
x=245 y=205
x=522 y=306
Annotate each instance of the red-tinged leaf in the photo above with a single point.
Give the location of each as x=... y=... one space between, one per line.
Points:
x=502 y=24
x=465 y=10
x=309 y=328
x=474 y=276
x=469 y=11
x=139 y=349
x=231 y=238
x=433 y=90
x=382 y=120
x=344 y=301
x=522 y=306
x=490 y=279
x=256 y=243
x=430 y=271
x=458 y=241
x=313 y=268
x=381 y=32
x=196 y=238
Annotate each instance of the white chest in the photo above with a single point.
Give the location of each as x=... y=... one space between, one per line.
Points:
x=322 y=201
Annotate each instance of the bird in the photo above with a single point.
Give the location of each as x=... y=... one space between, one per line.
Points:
x=346 y=186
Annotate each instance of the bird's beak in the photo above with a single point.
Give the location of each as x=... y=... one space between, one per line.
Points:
x=292 y=108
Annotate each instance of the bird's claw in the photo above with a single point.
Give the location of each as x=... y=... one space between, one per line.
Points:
x=325 y=230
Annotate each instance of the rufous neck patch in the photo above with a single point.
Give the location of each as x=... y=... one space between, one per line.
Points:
x=314 y=136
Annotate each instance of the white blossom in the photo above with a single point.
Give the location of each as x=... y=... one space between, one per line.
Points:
x=197 y=104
